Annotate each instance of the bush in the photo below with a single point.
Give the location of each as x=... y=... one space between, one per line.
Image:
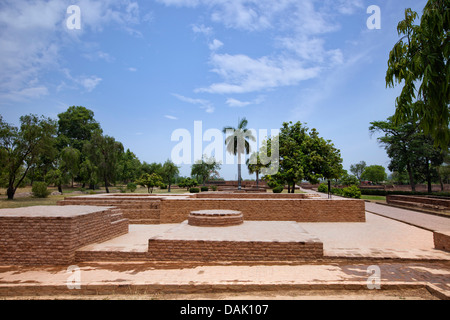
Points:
x=352 y=192
x=132 y=187
x=337 y=191
x=40 y=190
x=163 y=186
x=194 y=190
x=214 y=188
x=205 y=189
x=323 y=188
x=278 y=189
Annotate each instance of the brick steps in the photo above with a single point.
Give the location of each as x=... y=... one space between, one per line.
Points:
x=411 y=204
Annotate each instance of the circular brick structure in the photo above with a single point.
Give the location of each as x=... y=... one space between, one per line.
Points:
x=215 y=218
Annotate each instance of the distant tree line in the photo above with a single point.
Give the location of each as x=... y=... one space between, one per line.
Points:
x=71 y=149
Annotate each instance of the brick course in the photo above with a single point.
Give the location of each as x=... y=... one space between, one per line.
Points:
x=442 y=240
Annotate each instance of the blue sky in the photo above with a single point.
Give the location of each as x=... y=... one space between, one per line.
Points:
x=148 y=68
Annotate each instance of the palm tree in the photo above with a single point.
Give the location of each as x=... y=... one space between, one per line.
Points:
x=237 y=143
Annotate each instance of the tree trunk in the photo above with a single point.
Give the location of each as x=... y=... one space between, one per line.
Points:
x=106 y=186
x=11 y=192
x=289 y=188
x=169 y=187
x=293 y=186
x=411 y=179
x=430 y=188
x=60 y=189
x=239 y=173
x=257 y=180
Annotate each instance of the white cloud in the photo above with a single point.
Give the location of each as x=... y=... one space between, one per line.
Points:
x=33 y=34
x=215 y=45
x=207 y=31
x=243 y=74
x=234 y=103
x=170 y=117
x=132 y=69
x=204 y=104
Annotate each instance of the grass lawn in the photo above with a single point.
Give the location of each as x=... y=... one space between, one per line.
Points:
x=373 y=198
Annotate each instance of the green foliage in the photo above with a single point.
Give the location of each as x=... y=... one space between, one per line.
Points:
x=348 y=180
x=22 y=148
x=375 y=173
x=419 y=62
x=358 y=169
x=352 y=192
x=203 y=169
x=194 y=190
x=306 y=156
x=188 y=183
x=214 y=188
x=131 y=187
x=40 y=190
x=150 y=181
x=169 y=172
x=278 y=189
x=337 y=191
x=204 y=189
x=323 y=187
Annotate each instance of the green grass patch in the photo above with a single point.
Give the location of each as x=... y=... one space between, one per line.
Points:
x=374 y=198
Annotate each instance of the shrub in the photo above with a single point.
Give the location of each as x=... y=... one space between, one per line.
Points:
x=352 y=192
x=132 y=187
x=214 y=188
x=194 y=190
x=40 y=190
x=278 y=189
x=205 y=189
x=163 y=186
x=323 y=188
x=337 y=191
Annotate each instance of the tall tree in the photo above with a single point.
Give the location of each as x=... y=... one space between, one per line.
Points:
x=409 y=148
x=204 y=168
x=105 y=152
x=76 y=127
x=237 y=142
x=21 y=147
x=358 y=169
x=306 y=156
x=421 y=58
x=70 y=162
x=169 y=173
x=375 y=173
x=255 y=166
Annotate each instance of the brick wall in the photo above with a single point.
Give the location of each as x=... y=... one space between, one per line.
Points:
x=34 y=240
x=215 y=195
x=442 y=240
x=210 y=251
x=300 y=210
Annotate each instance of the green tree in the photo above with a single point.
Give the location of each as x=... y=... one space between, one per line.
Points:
x=169 y=173
x=409 y=149
x=358 y=169
x=375 y=173
x=187 y=183
x=255 y=166
x=129 y=167
x=204 y=168
x=76 y=127
x=58 y=178
x=150 y=181
x=237 y=142
x=21 y=147
x=306 y=156
x=105 y=152
x=70 y=162
x=88 y=174
x=420 y=62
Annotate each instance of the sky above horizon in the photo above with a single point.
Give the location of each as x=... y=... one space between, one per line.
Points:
x=149 y=68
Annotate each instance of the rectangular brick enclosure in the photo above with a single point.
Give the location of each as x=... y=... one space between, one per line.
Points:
x=51 y=235
x=158 y=209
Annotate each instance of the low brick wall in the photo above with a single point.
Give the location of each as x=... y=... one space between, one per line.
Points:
x=210 y=251
x=42 y=236
x=442 y=240
x=216 y=195
x=299 y=210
